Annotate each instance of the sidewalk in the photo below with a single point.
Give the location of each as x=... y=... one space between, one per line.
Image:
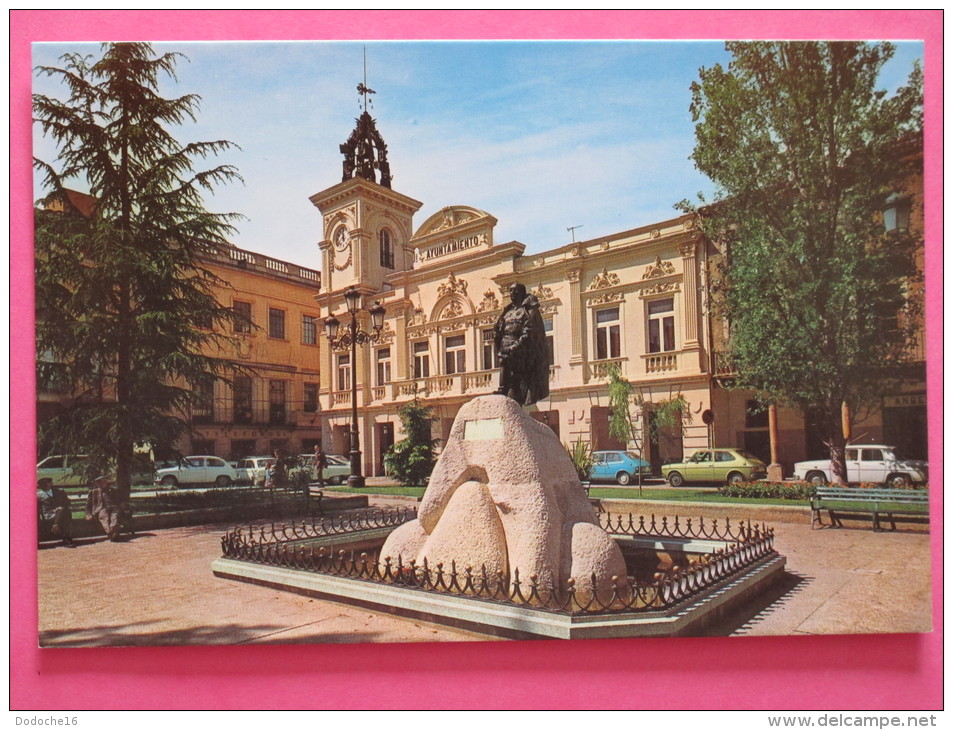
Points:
x=157 y=588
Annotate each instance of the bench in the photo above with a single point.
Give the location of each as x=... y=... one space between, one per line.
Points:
x=893 y=504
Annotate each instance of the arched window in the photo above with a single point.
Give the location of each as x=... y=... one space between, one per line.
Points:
x=387 y=249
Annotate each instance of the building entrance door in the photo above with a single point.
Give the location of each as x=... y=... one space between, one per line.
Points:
x=906 y=428
x=385 y=439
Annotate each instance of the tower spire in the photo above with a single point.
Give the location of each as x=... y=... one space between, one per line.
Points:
x=365 y=153
x=362 y=88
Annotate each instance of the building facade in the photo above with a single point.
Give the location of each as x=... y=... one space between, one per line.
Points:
x=633 y=299
x=637 y=299
x=274 y=404
x=276 y=333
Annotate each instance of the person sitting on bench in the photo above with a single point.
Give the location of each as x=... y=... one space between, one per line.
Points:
x=103 y=504
x=54 y=510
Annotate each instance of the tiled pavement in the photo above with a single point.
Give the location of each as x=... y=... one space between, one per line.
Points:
x=157 y=588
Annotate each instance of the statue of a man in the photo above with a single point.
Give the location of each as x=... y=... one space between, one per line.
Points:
x=521 y=343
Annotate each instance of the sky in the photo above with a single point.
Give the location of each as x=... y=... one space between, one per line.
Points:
x=542 y=135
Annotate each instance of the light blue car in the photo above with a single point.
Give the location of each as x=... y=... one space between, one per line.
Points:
x=617 y=466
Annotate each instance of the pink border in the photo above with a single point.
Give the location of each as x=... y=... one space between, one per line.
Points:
x=890 y=672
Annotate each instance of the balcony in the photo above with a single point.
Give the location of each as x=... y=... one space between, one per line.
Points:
x=660 y=362
x=599 y=369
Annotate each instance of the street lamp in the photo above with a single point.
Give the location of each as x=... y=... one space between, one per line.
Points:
x=354 y=336
x=896 y=214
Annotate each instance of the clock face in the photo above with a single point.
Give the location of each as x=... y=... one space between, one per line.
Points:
x=342 y=238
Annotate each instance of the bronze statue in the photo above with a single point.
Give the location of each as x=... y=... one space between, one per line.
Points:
x=521 y=344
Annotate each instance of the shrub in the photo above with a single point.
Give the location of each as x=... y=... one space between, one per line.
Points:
x=299 y=476
x=768 y=490
x=581 y=454
x=411 y=459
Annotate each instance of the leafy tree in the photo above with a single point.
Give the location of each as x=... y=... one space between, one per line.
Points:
x=126 y=316
x=804 y=150
x=626 y=410
x=411 y=460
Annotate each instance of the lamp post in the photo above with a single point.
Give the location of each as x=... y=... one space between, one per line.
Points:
x=353 y=337
x=896 y=212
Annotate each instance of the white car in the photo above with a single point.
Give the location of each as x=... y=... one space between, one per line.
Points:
x=64 y=471
x=253 y=469
x=59 y=468
x=198 y=470
x=867 y=463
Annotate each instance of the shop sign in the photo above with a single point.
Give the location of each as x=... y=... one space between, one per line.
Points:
x=905 y=400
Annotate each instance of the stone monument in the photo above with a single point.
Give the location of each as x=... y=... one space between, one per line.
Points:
x=505 y=495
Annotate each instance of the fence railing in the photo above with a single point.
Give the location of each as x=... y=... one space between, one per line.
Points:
x=288 y=546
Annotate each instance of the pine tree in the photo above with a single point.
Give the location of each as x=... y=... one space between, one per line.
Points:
x=805 y=150
x=127 y=321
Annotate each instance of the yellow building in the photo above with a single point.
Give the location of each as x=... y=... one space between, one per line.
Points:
x=276 y=404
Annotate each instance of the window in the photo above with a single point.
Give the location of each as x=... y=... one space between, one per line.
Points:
x=276 y=401
x=550 y=342
x=871 y=455
x=421 y=359
x=455 y=356
x=383 y=365
x=310 y=397
x=309 y=330
x=662 y=325
x=242 y=406
x=203 y=407
x=344 y=372
x=241 y=320
x=387 y=249
x=276 y=323
x=489 y=349
x=608 y=344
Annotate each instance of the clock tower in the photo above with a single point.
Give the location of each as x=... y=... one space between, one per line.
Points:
x=366 y=225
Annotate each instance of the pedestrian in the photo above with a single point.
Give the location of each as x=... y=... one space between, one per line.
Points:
x=55 y=512
x=103 y=504
x=279 y=471
x=320 y=464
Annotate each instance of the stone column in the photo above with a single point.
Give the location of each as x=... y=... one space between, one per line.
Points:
x=775 y=471
x=576 y=352
x=401 y=346
x=690 y=278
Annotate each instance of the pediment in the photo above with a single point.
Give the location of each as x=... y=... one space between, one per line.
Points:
x=452 y=217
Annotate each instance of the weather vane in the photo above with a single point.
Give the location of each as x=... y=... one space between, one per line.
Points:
x=362 y=88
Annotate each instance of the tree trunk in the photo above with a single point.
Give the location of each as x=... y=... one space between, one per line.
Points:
x=837 y=443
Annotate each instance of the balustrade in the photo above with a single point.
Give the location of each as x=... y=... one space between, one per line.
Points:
x=661 y=362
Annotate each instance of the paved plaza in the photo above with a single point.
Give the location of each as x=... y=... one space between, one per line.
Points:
x=157 y=588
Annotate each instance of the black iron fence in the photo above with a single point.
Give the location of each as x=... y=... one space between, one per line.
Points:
x=287 y=546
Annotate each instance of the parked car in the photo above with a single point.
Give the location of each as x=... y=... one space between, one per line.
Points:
x=65 y=472
x=867 y=463
x=198 y=470
x=617 y=466
x=337 y=470
x=715 y=465
x=62 y=470
x=252 y=469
